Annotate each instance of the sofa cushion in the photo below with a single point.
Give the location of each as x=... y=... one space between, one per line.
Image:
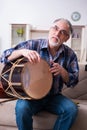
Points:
x=4 y=127
x=81 y=121
x=7 y=112
x=8 y=108
x=44 y=118
x=80 y=90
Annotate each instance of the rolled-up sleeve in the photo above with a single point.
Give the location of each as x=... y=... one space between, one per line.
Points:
x=73 y=79
x=8 y=52
x=73 y=71
x=4 y=56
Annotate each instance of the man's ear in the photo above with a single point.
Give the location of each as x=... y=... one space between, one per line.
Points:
x=67 y=37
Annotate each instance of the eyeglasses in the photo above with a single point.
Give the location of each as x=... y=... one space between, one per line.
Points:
x=62 y=32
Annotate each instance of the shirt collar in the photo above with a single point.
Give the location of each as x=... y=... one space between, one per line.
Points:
x=44 y=45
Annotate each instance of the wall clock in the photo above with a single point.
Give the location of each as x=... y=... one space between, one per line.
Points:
x=75 y=16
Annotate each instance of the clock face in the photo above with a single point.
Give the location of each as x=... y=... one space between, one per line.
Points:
x=75 y=16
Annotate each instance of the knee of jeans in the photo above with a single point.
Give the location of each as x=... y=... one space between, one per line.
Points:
x=22 y=106
x=73 y=109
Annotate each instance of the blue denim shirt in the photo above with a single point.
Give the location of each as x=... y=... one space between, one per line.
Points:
x=65 y=57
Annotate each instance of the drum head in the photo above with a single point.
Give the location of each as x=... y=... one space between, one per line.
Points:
x=36 y=79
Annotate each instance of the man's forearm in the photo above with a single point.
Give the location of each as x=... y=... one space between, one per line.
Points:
x=15 y=54
x=65 y=75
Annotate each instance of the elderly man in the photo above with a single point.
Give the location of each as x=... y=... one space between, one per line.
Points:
x=64 y=68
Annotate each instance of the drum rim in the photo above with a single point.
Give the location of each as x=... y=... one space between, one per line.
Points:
x=29 y=96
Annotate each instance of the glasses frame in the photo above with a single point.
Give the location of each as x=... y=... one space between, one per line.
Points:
x=62 y=32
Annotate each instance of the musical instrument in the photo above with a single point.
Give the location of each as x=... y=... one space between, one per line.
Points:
x=2 y=93
x=24 y=80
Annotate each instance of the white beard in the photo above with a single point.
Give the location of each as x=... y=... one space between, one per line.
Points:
x=54 y=44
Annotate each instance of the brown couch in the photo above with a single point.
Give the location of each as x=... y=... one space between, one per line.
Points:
x=45 y=120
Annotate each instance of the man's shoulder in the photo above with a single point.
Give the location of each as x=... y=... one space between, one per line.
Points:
x=69 y=51
x=37 y=43
x=66 y=47
x=38 y=40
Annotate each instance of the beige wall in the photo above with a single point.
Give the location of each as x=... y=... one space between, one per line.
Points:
x=39 y=13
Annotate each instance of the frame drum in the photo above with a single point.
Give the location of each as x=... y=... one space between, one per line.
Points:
x=24 y=80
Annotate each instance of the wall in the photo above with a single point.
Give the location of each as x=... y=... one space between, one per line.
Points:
x=39 y=13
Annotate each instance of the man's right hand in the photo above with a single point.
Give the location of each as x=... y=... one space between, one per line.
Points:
x=31 y=55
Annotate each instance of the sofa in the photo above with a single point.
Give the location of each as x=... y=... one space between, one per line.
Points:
x=45 y=120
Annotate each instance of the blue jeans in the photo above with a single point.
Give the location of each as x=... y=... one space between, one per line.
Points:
x=58 y=104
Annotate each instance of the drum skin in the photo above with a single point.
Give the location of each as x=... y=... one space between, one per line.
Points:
x=36 y=79
x=24 y=80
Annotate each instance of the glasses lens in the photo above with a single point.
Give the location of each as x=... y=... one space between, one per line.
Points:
x=62 y=32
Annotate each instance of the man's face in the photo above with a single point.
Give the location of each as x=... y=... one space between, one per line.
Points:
x=59 y=33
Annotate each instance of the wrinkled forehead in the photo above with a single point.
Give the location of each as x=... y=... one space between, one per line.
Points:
x=62 y=24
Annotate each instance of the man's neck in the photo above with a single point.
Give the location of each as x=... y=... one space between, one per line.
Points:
x=53 y=50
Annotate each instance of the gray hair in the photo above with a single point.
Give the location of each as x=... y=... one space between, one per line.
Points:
x=68 y=22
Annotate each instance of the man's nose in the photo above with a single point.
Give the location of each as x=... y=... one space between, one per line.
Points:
x=57 y=32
